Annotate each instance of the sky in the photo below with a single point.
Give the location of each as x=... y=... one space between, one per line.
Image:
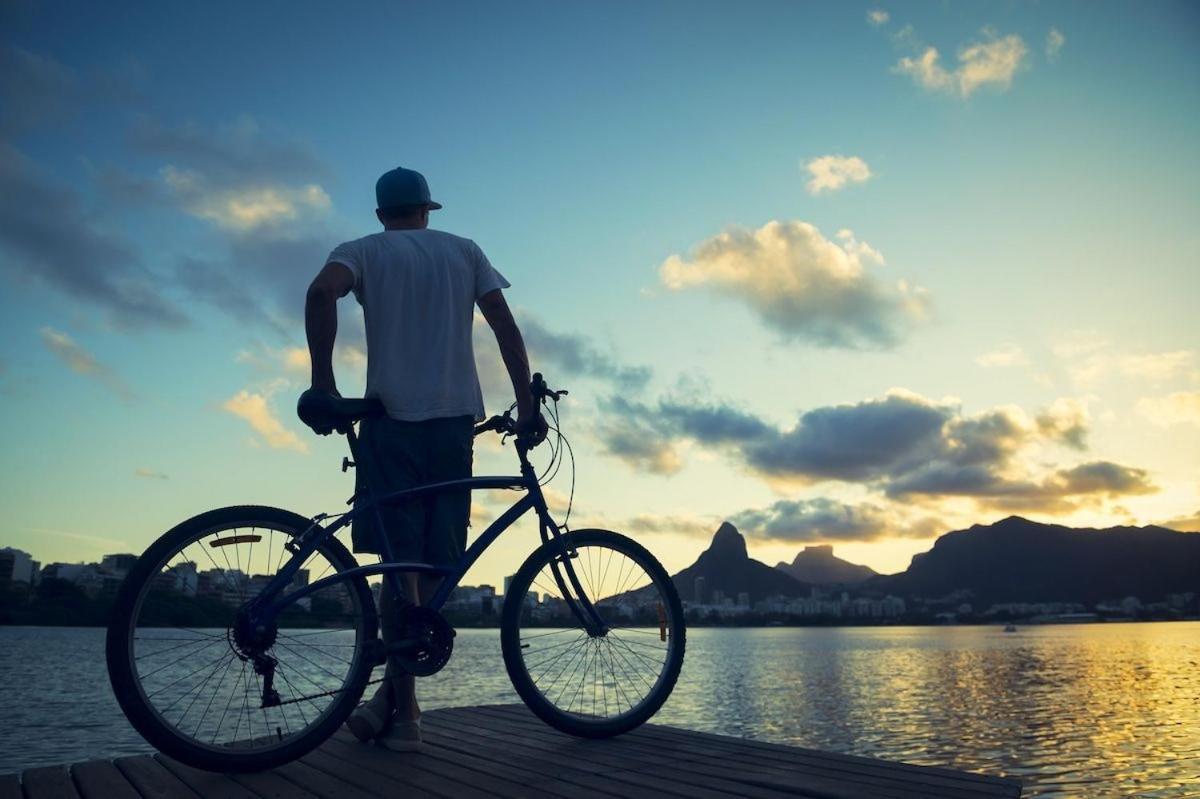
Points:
x=841 y=273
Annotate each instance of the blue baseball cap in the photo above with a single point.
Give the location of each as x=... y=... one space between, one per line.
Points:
x=402 y=186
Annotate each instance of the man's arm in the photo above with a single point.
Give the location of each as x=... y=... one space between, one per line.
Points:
x=320 y=320
x=516 y=361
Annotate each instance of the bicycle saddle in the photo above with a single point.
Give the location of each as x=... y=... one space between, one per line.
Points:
x=325 y=412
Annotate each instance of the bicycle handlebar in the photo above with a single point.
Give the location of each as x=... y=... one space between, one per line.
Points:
x=505 y=424
x=541 y=392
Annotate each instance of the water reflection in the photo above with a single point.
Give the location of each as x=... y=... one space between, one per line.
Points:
x=1090 y=710
x=1098 y=711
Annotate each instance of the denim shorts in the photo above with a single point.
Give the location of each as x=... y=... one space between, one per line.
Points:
x=396 y=455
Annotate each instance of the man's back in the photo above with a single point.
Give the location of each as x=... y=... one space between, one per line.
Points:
x=418 y=290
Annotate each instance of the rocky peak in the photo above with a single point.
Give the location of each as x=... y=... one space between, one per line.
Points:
x=814 y=551
x=727 y=544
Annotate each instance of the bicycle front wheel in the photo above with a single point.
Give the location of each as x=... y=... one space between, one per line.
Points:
x=599 y=683
x=182 y=664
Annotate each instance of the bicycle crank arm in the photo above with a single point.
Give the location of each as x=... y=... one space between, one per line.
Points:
x=405 y=646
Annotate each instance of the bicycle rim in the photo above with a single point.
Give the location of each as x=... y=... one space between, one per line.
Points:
x=195 y=678
x=611 y=681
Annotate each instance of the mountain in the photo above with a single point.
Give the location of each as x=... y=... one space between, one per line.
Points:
x=1016 y=560
x=726 y=567
x=819 y=566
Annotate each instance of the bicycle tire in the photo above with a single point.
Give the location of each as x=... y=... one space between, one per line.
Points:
x=514 y=662
x=122 y=668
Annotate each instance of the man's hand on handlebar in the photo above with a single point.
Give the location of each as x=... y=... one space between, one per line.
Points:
x=531 y=429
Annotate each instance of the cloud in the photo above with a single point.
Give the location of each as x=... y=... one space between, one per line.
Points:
x=1158 y=366
x=263 y=280
x=803 y=285
x=277 y=265
x=261 y=190
x=1091 y=358
x=1054 y=42
x=992 y=62
x=292 y=363
x=1008 y=355
x=149 y=474
x=560 y=356
x=237 y=153
x=79 y=257
x=573 y=355
x=256 y=411
x=865 y=441
x=877 y=17
x=824 y=519
x=631 y=435
x=1184 y=524
x=1101 y=477
x=901 y=445
x=646 y=523
x=245 y=207
x=832 y=172
x=82 y=362
x=215 y=285
x=1065 y=421
x=34 y=89
x=1180 y=407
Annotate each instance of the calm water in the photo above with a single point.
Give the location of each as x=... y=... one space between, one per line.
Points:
x=1088 y=710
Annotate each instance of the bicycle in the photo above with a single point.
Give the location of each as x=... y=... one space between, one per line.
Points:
x=290 y=654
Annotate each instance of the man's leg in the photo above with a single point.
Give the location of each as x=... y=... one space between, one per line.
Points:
x=420 y=588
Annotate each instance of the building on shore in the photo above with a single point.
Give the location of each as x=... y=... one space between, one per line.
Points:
x=17 y=566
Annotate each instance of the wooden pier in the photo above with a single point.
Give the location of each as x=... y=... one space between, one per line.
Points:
x=504 y=751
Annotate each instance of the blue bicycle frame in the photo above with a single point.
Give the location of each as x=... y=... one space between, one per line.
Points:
x=271 y=601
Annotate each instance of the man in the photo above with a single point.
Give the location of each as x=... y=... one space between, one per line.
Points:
x=418 y=289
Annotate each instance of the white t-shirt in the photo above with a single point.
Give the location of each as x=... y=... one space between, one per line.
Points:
x=418 y=290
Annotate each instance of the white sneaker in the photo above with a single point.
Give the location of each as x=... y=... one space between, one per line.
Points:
x=404 y=736
x=369 y=719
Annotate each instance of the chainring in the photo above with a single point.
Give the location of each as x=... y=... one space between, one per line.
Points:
x=432 y=637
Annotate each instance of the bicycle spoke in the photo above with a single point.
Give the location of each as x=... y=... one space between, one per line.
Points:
x=200 y=681
x=208 y=707
x=610 y=675
x=200 y=691
x=206 y=643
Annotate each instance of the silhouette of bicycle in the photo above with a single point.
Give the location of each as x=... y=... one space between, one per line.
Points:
x=245 y=636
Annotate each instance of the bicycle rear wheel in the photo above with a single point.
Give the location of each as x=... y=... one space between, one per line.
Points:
x=593 y=685
x=180 y=664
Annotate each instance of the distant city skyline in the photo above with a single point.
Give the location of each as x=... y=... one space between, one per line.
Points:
x=845 y=273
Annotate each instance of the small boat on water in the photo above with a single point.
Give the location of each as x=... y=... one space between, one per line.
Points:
x=1010 y=628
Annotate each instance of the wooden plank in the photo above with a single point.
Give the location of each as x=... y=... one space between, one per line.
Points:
x=269 y=785
x=602 y=768
x=10 y=786
x=581 y=772
x=152 y=779
x=506 y=751
x=208 y=784
x=749 y=747
x=771 y=764
x=51 y=782
x=466 y=771
x=690 y=773
x=764 y=771
x=372 y=782
x=999 y=786
x=520 y=776
x=320 y=783
x=100 y=779
x=549 y=777
x=409 y=767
